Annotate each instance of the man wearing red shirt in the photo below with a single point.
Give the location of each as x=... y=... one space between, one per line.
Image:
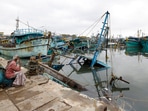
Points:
x=13 y=67
x=11 y=70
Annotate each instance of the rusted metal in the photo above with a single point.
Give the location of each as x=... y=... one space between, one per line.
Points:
x=52 y=59
x=33 y=67
x=117 y=78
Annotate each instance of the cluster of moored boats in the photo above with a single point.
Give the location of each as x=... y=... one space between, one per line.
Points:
x=29 y=42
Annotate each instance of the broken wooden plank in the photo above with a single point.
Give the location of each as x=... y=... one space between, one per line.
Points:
x=71 y=83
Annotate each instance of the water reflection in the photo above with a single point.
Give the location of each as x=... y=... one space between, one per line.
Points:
x=96 y=81
x=132 y=51
x=99 y=84
x=100 y=78
x=136 y=51
x=102 y=83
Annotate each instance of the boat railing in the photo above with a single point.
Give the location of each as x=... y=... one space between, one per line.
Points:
x=19 y=32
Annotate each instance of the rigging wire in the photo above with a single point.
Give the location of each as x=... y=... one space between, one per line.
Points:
x=27 y=24
x=91 y=27
x=111 y=49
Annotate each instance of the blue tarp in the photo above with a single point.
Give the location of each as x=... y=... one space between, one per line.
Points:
x=3 y=80
x=2 y=71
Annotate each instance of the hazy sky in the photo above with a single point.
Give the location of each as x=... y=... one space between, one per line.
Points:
x=74 y=16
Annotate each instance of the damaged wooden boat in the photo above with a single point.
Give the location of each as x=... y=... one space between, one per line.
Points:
x=25 y=43
x=60 y=77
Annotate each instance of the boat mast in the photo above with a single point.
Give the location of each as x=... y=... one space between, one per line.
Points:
x=102 y=35
x=17 y=23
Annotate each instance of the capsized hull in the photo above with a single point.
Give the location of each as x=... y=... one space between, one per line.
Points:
x=27 y=48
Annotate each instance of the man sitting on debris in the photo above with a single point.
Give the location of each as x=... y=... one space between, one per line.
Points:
x=13 y=72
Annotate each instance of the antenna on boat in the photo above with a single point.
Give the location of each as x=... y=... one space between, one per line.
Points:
x=17 y=23
x=28 y=24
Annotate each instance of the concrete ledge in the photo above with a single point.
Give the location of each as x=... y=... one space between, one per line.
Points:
x=41 y=94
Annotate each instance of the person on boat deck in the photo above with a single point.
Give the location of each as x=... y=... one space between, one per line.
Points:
x=13 y=72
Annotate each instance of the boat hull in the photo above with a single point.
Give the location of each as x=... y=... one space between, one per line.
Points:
x=133 y=42
x=144 y=43
x=27 y=48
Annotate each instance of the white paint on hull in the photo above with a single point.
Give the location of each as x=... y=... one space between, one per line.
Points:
x=27 y=49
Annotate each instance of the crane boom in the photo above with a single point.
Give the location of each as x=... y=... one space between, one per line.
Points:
x=102 y=35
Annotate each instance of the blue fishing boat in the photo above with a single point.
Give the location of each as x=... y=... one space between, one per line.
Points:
x=57 y=43
x=80 y=43
x=144 y=42
x=92 y=61
x=133 y=42
x=25 y=43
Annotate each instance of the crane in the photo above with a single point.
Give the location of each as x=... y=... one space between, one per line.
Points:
x=101 y=36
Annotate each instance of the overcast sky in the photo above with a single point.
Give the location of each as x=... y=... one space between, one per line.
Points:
x=74 y=16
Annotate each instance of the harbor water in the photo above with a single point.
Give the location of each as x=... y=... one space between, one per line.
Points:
x=131 y=66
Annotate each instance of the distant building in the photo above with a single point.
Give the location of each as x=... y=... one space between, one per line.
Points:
x=1 y=33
